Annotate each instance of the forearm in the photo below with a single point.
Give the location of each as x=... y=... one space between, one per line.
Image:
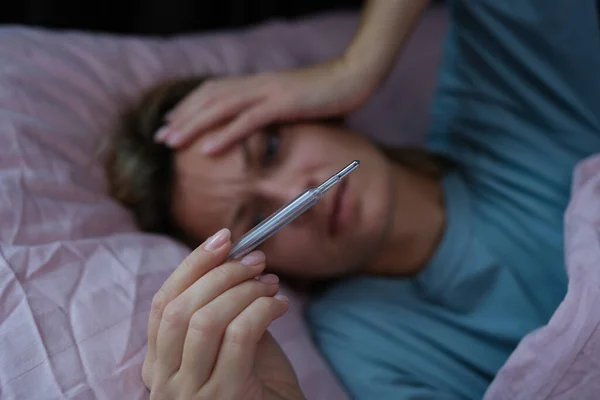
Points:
x=384 y=29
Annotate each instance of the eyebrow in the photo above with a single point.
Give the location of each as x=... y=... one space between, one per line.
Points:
x=241 y=210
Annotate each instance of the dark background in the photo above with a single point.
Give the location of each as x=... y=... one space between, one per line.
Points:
x=159 y=17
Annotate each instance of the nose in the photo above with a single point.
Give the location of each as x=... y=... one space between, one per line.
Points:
x=277 y=192
x=282 y=190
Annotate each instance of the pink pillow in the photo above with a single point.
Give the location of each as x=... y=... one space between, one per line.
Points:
x=76 y=278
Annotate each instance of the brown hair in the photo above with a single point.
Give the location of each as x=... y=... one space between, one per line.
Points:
x=140 y=171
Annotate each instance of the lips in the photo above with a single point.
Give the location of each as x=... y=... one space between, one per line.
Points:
x=337 y=207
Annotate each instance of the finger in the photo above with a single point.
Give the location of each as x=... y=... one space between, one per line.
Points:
x=208 y=94
x=203 y=101
x=184 y=130
x=208 y=326
x=201 y=96
x=183 y=111
x=202 y=259
x=177 y=314
x=250 y=121
x=237 y=353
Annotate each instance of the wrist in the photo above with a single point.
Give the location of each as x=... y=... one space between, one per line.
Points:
x=385 y=27
x=358 y=81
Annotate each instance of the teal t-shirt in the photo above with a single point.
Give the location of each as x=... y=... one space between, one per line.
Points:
x=517 y=106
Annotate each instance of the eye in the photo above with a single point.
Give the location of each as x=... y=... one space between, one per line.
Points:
x=271 y=146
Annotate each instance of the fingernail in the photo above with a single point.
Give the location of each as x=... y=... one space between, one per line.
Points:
x=173 y=138
x=217 y=240
x=254 y=258
x=269 y=279
x=208 y=146
x=283 y=298
x=161 y=134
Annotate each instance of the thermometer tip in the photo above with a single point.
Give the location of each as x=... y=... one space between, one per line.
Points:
x=348 y=169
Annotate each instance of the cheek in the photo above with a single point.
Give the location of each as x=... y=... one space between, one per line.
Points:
x=296 y=252
x=288 y=246
x=196 y=212
x=301 y=253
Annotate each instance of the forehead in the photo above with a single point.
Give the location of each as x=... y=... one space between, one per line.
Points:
x=207 y=189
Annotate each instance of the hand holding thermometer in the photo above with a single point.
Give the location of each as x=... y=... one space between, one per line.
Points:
x=286 y=214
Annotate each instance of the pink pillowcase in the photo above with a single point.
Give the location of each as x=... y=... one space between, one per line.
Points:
x=76 y=278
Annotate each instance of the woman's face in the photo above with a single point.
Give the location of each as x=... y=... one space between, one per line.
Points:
x=247 y=183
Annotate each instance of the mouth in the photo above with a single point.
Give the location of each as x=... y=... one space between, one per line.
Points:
x=339 y=206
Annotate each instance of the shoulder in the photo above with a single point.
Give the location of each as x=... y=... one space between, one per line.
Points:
x=385 y=341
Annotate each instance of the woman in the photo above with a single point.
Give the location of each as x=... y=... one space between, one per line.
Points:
x=516 y=108
x=385 y=219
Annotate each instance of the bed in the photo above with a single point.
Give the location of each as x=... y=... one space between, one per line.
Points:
x=77 y=277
